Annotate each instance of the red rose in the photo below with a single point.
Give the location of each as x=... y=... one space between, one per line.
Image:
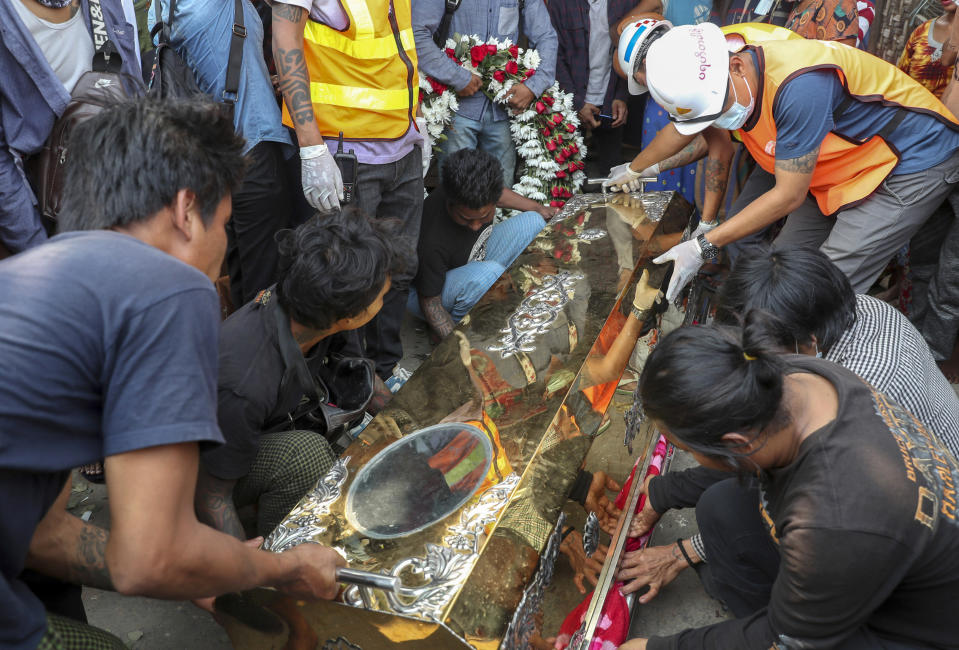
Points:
x=560 y=159
x=477 y=54
x=529 y=73
x=570 y=128
x=556 y=191
x=545 y=133
x=450 y=52
x=567 y=193
x=491 y=49
x=572 y=167
x=581 y=164
x=540 y=107
x=500 y=76
x=551 y=145
x=513 y=51
x=567 y=256
x=437 y=87
x=561 y=174
x=557 y=118
x=574 y=148
x=555 y=204
x=549 y=100
x=511 y=67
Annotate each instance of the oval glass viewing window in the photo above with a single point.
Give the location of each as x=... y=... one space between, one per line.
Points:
x=418 y=480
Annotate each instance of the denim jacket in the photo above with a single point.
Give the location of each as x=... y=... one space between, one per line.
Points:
x=31 y=99
x=485 y=18
x=202 y=31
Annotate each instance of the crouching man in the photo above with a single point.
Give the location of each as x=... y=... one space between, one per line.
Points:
x=461 y=252
x=292 y=378
x=108 y=338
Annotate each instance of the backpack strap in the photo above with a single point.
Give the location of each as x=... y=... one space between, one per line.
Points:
x=106 y=57
x=235 y=61
x=444 y=29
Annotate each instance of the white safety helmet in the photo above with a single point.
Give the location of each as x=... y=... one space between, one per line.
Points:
x=687 y=71
x=634 y=42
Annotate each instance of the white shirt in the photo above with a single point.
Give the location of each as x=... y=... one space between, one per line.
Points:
x=67 y=46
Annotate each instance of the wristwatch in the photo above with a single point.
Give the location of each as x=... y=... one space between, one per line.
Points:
x=707 y=250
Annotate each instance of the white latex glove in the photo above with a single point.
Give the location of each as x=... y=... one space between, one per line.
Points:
x=703 y=228
x=688 y=258
x=322 y=181
x=427 y=144
x=623 y=179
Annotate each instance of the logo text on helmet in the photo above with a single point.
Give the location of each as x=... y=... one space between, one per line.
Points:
x=700 y=52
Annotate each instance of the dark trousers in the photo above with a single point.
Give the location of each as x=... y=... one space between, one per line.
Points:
x=741 y=558
x=262 y=205
x=392 y=191
x=742 y=561
x=606 y=148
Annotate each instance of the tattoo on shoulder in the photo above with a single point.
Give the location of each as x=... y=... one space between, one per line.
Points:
x=287 y=12
x=801 y=165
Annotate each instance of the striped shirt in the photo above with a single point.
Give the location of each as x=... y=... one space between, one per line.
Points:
x=884 y=348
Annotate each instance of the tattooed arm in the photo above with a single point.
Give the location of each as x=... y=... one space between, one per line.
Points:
x=689 y=154
x=69 y=548
x=792 y=185
x=721 y=151
x=294 y=77
x=214 y=504
x=436 y=315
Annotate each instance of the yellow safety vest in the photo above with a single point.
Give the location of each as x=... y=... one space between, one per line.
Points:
x=846 y=172
x=751 y=33
x=363 y=80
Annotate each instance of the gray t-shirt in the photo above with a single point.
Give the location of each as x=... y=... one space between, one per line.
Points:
x=66 y=46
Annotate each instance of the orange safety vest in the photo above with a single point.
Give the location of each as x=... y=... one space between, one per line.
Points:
x=846 y=172
x=363 y=80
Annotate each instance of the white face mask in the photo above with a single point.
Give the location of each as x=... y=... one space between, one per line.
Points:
x=737 y=114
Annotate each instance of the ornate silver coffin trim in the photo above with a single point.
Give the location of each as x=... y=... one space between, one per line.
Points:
x=592 y=234
x=443 y=568
x=301 y=525
x=536 y=313
x=522 y=625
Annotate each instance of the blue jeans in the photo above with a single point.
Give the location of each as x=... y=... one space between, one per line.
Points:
x=492 y=137
x=466 y=284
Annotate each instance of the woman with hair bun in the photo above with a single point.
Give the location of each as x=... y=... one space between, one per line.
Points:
x=847 y=534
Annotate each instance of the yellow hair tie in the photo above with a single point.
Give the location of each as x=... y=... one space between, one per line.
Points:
x=748 y=357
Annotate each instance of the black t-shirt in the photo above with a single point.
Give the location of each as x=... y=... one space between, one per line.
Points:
x=263 y=376
x=443 y=245
x=865 y=522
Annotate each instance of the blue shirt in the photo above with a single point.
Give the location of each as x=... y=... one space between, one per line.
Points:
x=487 y=19
x=31 y=99
x=201 y=34
x=108 y=345
x=803 y=113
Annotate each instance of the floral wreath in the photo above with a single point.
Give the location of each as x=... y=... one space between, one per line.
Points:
x=546 y=134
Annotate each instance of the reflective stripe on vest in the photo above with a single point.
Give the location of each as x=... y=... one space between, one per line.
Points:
x=363 y=80
x=846 y=173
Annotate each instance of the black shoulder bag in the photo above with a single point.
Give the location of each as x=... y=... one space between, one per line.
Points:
x=100 y=88
x=172 y=77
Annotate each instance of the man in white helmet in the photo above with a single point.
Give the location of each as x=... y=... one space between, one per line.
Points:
x=860 y=152
x=636 y=37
